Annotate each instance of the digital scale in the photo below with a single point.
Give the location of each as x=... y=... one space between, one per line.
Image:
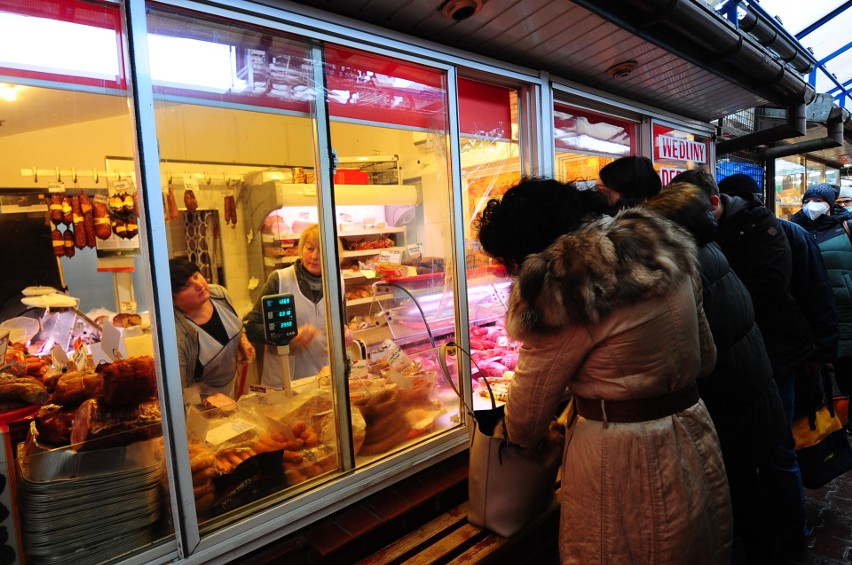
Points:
x=279 y=329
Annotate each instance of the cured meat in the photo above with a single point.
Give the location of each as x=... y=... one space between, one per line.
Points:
x=88 y=219
x=230 y=210
x=74 y=387
x=101 y=219
x=131 y=226
x=69 y=242
x=24 y=389
x=172 y=210
x=189 y=200
x=58 y=241
x=55 y=209
x=67 y=215
x=97 y=426
x=53 y=423
x=128 y=381
x=79 y=227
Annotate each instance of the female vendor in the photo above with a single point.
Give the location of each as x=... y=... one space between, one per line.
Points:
x=302 y=279
x=210 y=336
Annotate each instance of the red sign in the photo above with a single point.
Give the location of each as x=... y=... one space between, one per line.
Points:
x=678 y=149
x=667 y=174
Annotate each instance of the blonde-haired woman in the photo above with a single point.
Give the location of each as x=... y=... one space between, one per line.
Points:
x=302 y=279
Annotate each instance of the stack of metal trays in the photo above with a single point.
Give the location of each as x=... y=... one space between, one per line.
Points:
x=90 y=518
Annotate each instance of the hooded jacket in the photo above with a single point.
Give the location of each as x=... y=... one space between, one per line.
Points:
x=835 y=246
x=613 y=310
x=754 y=243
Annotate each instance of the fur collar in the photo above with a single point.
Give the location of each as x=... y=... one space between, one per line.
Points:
x=586 y=274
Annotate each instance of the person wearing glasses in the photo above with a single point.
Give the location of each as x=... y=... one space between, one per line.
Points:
x=210 y=338
x=844 y=200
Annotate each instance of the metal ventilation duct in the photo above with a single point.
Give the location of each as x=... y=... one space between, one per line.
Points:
x=833 y=138
x=767 y=33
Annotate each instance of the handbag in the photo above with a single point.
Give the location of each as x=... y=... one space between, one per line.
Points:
x=822 y=446
x=507 y=488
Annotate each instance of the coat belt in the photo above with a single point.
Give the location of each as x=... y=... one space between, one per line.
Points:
x=638 y=409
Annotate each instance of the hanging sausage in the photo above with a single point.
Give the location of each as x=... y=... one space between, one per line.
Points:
x=189 y=200
x=58 y=242
x=88 y=219
x=101 y=217
x=79 y=227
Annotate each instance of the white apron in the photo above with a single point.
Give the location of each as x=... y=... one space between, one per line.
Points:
x=219 y=362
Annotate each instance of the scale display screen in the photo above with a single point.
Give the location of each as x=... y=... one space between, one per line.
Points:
x=279 y=318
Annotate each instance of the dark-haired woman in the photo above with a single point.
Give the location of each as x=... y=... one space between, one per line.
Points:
x=611 y=307
x=210 y=336
x=627 y=181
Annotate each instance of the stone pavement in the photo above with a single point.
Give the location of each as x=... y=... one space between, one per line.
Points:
x=830 y=519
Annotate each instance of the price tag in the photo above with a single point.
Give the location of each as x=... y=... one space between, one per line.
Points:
x=80 y=357
x=393 y=257
x=414 y=250
x=359 y=370
x=58 y=358
x=121 y=186
x=4 y=344
x=55 y=187
x=190 y=182
x=229 y=430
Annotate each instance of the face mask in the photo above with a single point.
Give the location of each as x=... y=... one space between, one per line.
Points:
x=814 y=210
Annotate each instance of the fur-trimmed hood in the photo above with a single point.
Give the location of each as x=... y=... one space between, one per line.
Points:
x=586 y=274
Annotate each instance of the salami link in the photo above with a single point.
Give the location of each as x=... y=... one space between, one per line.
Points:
x=58 y=242
x=88 y=220
x=79 y=228
x=101 y=220
x=189 y=200
x=55 y=209
x=173 y=207
x=69 y=242
x=67 y=215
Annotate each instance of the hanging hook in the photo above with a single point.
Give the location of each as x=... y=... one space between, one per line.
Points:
x=207 y=178
x=74 y=174
x=58 y=175
x=95 y=175
x=169 y=176
x=35 y=174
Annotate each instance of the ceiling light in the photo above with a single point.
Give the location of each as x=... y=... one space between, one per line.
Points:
x=8 y=92
x=459 y=10
x=622 y=70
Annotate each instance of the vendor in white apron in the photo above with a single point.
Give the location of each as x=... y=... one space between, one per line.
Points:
x=309 y=349
x=210 y=337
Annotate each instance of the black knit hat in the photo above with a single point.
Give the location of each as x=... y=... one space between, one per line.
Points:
x=741 y=185
x=632 y=177
x=822 y=190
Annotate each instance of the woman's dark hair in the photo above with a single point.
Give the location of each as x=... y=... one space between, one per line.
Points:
x=531 y=216
x=181 y=270
x=632 y=177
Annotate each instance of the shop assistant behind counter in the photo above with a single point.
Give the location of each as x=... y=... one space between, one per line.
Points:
x=302 y=279
x=210 y=337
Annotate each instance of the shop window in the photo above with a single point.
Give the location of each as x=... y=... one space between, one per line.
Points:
x=789 y=185
x=586 y=141
x=85 y=436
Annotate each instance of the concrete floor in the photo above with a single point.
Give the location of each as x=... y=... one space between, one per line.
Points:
x=830 y=519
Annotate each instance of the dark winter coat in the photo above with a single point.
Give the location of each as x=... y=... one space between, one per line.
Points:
x=740 y=393
x=812 y=289
x=757 y=249
x=836 y=249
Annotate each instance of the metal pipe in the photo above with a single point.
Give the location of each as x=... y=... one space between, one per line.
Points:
x=766 y=32
x=694 y=32
x=797 y=125
x=833 y=138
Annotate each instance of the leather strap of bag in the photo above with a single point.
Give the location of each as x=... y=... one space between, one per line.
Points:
x=639 y=409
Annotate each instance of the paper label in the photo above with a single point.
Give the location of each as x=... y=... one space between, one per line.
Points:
x=80 y=357
x=190 y=182
x=359 y=370
x=398 y=379
x=58 y=358
x=415 y=250
x=55 y=187
x=394 y=257
x=227 y=431
x=4 y=344
x=196 y=423
x=112 y=342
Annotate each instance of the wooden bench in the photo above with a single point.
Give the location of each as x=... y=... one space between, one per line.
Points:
x=450 y=539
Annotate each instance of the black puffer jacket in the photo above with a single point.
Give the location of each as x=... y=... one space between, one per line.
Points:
x=743 y=369
x=740 y=394
x=757 y=249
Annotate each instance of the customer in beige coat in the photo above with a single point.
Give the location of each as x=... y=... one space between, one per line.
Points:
x=611 y=308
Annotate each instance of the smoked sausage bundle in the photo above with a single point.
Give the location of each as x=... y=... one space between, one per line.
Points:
x=230 y=209
x=88 y=219
x=189 y=200
x=101 y=218
x=79 y=227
